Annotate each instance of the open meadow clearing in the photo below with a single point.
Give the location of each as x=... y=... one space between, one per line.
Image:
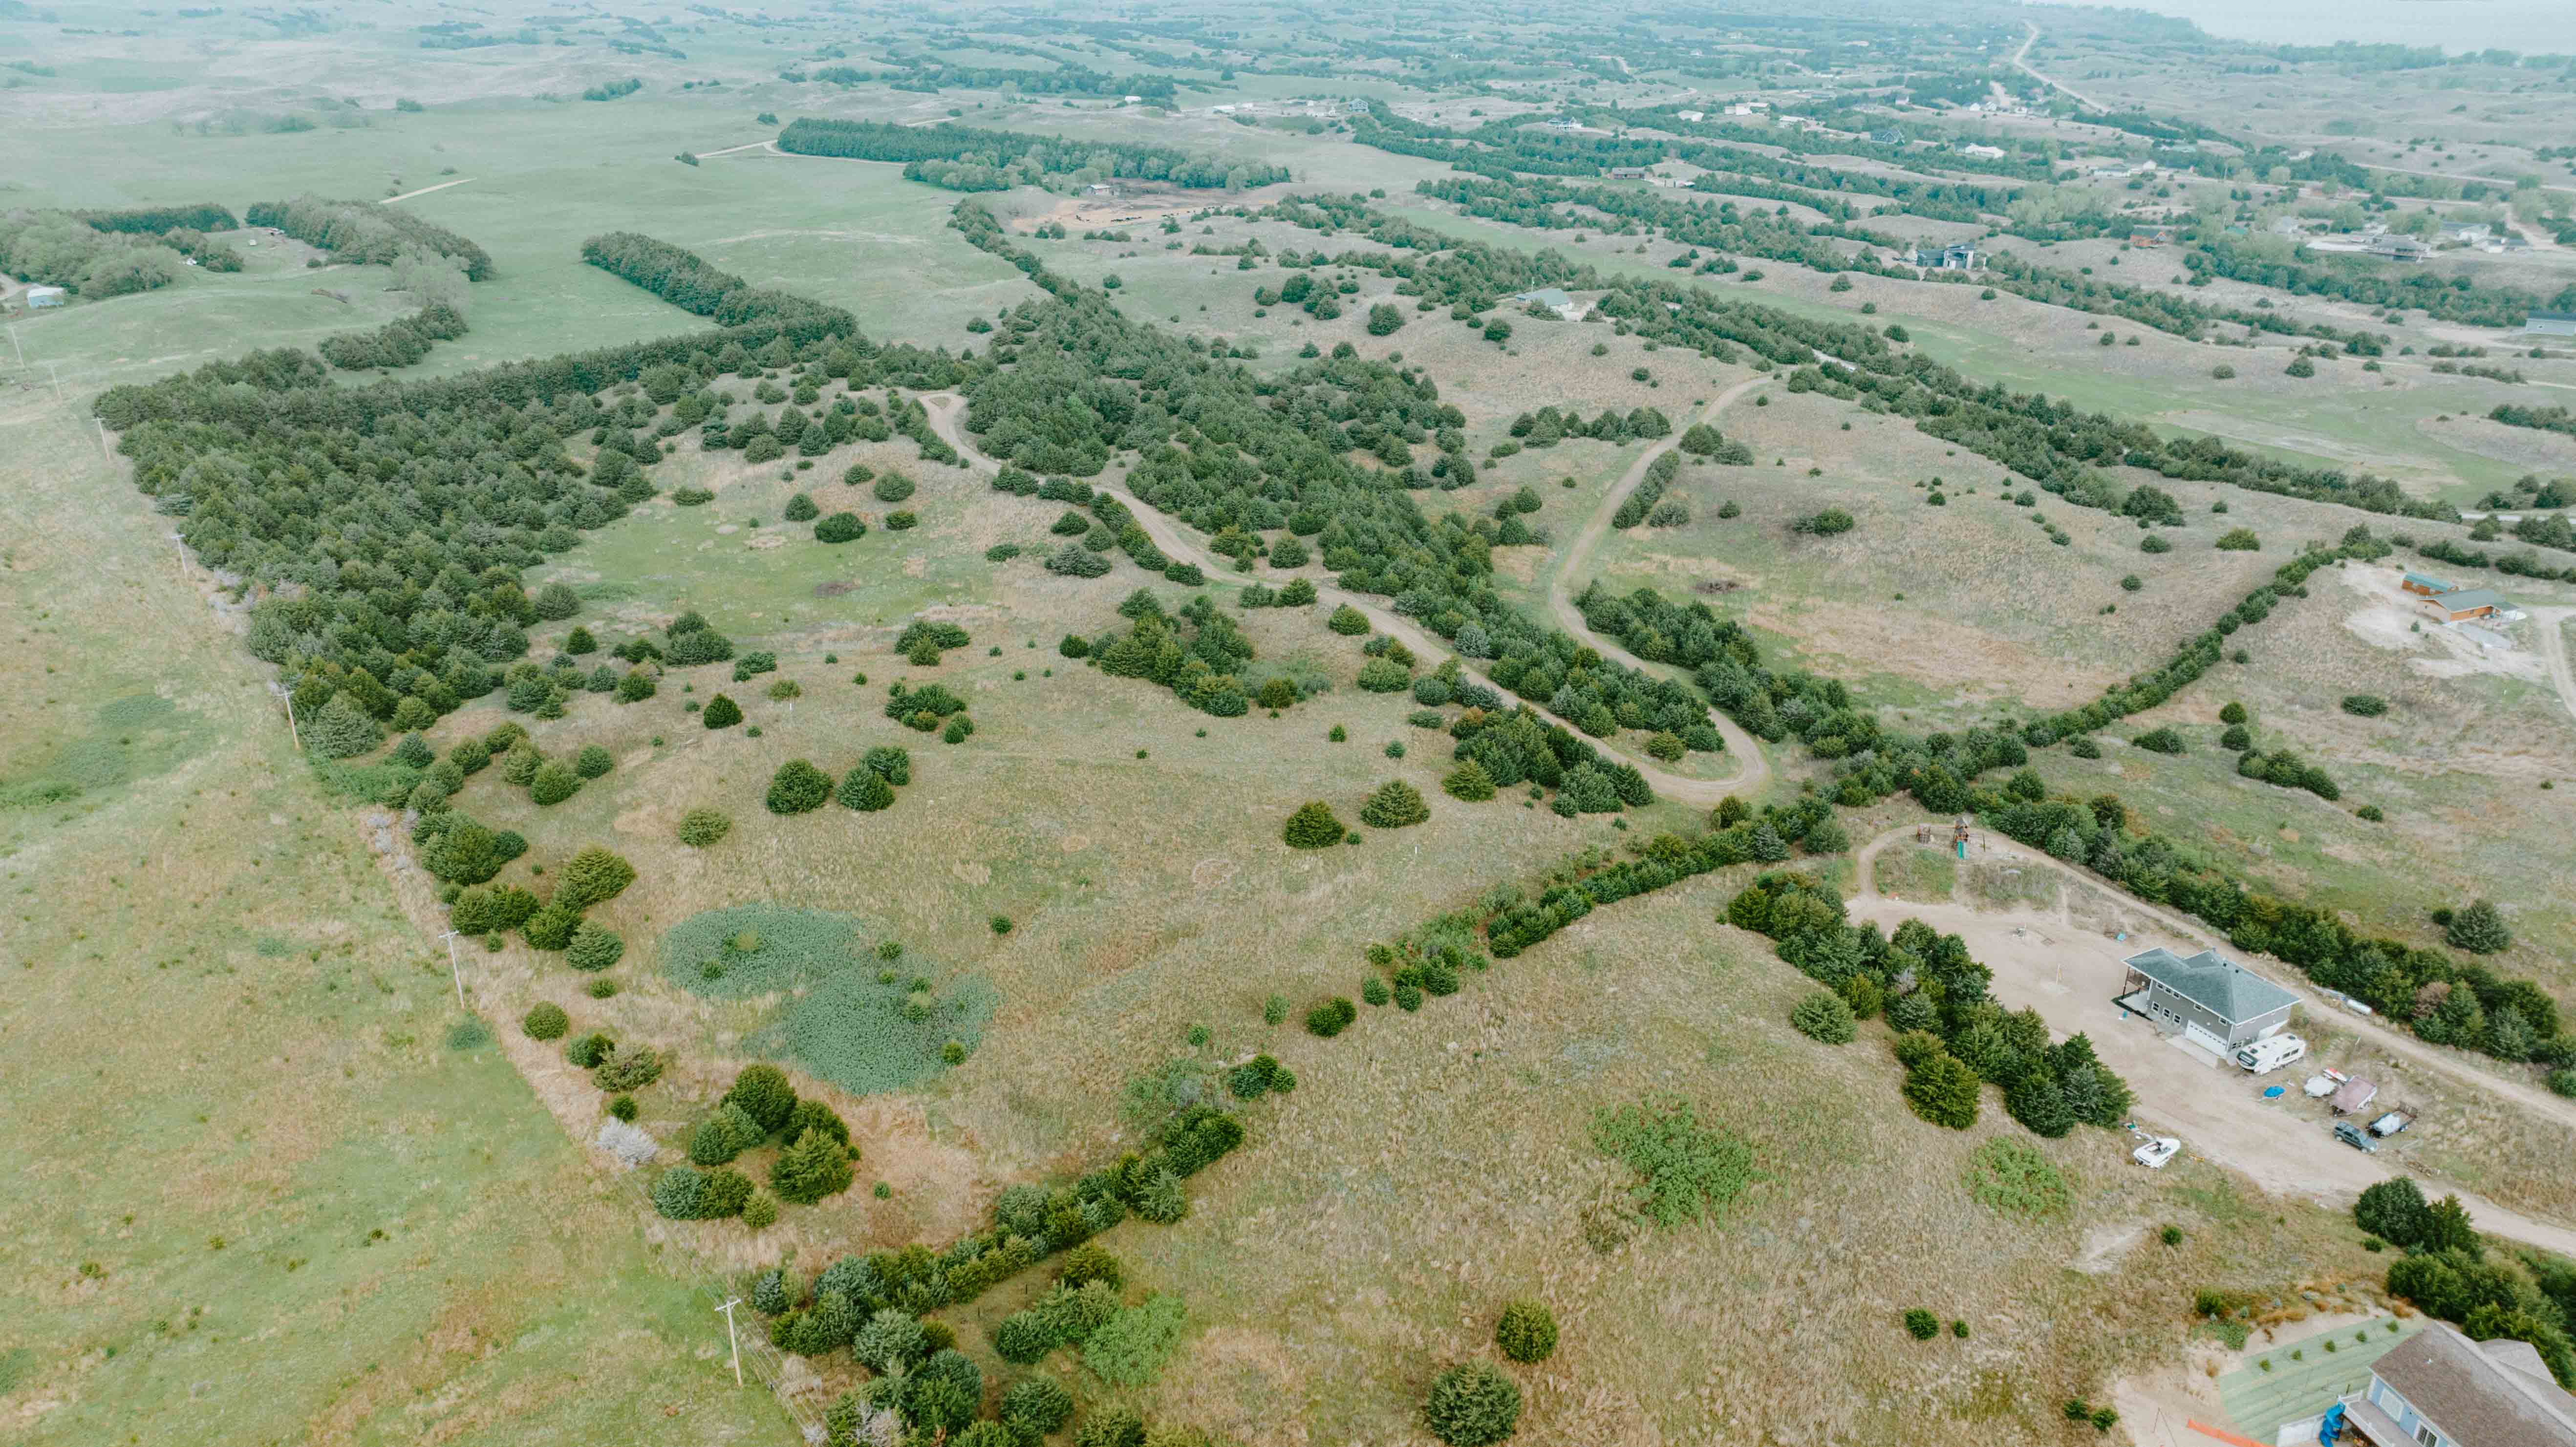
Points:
x=1184 y=729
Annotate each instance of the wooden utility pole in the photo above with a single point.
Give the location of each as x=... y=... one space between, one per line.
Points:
x=455 y=971
x=733 y=1343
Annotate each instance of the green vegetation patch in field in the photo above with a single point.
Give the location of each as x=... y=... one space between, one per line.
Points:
x=758 y=948
x=2013 y=1178
x=1685 y=1173
x=866 y=1036
x=863 y=1025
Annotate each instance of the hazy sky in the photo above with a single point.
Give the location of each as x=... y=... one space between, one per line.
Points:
x=2529 y=26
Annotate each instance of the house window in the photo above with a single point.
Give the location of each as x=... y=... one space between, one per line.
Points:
x=2425 y=1434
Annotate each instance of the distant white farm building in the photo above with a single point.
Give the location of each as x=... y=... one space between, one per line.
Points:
x=1991 y=153
x=1554 y=298
x=1690 y=115
x=2550 y=324
x=41 y=296
x=1959 y=256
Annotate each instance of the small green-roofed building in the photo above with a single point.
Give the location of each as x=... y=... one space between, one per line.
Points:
x=2214 y=1001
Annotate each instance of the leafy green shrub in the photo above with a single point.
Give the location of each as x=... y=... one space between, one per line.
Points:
x=892 y=486
x=1037 y=1404
x=628 y=1069
x=1526 y=1332
x=595 y=875
x=2364 y=705
x=1685 y=1173
x=840 y=527
x=1469 y=782
x=800 y=509
x=1384 y=675
x=1938 y=1086
x=545 y=1021
x=593 y=947
x=1825 y=1016
x=797 y=788
x=553 y=783
x=702 y=828
x=760 y=1212
x=2013 y=1178
x=2479 y=929
x=2239 y=540
x=814 y=1167
x=588 y=1051
x=764 y=1095
x=1345 y=620
x=721 y=713
x=1314 y=827
x=679 y=1193
x=550 y=928
x=1921 y=1325
x=1332 y=1017
x=2160 y=741
x=1472 y=1405
x=1131 y=1348
x=1824 y=524
x=724 y=1135
x=1090 y=1262
x=866 y=790
x=1395 y=805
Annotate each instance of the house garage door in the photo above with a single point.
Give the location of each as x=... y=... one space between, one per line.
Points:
x=2205 y=1040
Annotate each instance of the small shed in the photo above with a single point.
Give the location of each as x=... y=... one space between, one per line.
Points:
x=2426 y=585
x=43 y=296
x=2354 y=1094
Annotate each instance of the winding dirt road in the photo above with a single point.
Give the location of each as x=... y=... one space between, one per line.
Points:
x=2021 y=62
x=1755 y=769
x=2550 y=626
x=946 y=409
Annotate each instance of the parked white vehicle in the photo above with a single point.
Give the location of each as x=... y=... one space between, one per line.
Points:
x=2270 y=1053
x=2157 y=1151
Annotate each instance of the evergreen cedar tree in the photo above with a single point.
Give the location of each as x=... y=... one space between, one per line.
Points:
x=814 y=1167
x=721 y=713
x=1395 y=805
x=866 y=790
x=593 y=947
x=1526 y=1332
x=700 y=828
x=1472 y=1405
x=1469 y=782
x=798 y=787
x=1314 y=827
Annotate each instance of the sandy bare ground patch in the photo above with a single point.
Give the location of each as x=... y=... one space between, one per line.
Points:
x=2383 y=614
x=2071 y=974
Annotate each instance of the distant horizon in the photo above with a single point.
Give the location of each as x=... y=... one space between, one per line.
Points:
x=2532 y=27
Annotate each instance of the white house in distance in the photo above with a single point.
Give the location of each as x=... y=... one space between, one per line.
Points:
x=1554 y=298
x=44 y=296
x=2440 y=1389
x=2209 y=1000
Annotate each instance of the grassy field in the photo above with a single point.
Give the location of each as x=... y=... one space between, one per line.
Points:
x=285 y=1188
x=264 y=1198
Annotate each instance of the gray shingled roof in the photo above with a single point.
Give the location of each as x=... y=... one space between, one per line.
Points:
x=2478 y=1395
x=2228 y=990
